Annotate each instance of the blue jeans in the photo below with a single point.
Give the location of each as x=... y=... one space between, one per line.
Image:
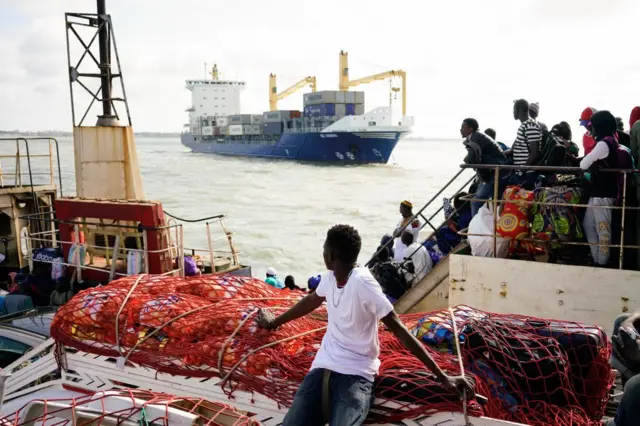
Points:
x=351 y=398
x=485 y=191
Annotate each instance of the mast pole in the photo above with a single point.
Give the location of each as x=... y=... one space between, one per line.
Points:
x=104 y=43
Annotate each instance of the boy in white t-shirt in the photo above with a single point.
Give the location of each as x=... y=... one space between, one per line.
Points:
x=339 y=387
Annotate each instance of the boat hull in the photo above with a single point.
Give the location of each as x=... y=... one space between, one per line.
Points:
x=336 y=147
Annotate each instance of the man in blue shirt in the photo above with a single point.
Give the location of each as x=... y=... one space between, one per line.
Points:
x=273 y=280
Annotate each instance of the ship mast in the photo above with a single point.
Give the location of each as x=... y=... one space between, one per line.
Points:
x=106 y=158
x=107 y=118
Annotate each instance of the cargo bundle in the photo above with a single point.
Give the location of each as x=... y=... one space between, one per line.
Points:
x=532 y=371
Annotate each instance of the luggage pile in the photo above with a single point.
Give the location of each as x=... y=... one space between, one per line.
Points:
x=539 y=371
x=532 y=371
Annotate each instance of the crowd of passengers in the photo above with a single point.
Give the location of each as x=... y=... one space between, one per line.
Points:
x=538 y=210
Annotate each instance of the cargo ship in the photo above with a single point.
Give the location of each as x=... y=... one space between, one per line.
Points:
x=332 y=126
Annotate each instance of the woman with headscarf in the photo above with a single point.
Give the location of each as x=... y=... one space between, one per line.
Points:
x=605 y=186
x=405 y=224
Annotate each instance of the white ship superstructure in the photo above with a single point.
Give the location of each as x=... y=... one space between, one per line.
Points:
x=212 y=98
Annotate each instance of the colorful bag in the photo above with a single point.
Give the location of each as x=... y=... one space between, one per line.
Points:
x=514 y=220
x=556 y=223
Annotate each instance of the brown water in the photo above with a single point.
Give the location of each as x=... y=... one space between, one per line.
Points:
x=279 y=211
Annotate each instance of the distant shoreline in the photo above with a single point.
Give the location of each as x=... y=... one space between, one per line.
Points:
x=57 y=133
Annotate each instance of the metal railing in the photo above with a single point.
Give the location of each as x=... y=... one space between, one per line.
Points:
x=113 y=255
x=220 y=252
x=24 y=154
x=497 y=202
x=427 y=221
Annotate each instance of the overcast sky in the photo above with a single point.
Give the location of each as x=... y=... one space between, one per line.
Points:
x=463 y=58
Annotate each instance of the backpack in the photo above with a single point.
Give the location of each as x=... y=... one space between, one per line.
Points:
x=552 y=150
x=624 y=160
x=392 y=280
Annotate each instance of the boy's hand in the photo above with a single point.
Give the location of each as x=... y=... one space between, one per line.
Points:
x=265 y=319
x=459 y=385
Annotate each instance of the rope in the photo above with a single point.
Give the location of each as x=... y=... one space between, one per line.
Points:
x=231 y=336
x=222 y=382
x=143 y=417
x=158 y=329
x=124 y=302
x=218 y=216
x=457 y=340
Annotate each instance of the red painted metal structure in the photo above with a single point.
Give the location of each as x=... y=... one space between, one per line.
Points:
x=147 y=214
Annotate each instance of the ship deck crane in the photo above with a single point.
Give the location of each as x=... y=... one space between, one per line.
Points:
x=345 y=83
x=274 y=96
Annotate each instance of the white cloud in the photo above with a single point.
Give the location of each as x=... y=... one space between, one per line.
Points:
x=463 y=58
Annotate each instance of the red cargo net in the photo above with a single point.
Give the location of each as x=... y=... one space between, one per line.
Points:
x=533 y=372
x=126 y=407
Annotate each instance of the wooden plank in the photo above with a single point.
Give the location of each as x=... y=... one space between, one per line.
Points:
x=575 y=293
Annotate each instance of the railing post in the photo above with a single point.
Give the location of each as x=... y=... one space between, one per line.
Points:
x=76 y=253
x=114 y=259
x=17 y=180
x=181 y=253
x=624 y=205
x=496 y=182
x=145 y=250
x=210 y=243
x=51 y=174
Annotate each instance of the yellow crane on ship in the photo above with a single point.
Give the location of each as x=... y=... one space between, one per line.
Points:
x=274 y=96
x=345 y=83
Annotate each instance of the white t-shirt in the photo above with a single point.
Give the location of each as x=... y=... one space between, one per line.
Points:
x=350 y=345
x=422 y=262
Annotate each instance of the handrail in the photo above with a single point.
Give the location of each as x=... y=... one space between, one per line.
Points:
x=29 y=156
x=542 y=168
x=419 y=213
x=496 y=168
x=497 y=200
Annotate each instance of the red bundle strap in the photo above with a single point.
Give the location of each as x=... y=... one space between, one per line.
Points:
x=533 y=371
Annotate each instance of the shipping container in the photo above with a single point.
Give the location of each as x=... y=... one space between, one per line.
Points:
x=256 y=119
x=359 y=98
x=273 y=128
x=321 y=110
x=252 y=129
x=276 y=116
x=240 y=119
x=324 y=97
x=341 y=110
x=350 y=109
x=359 y=109
x=222 y=121
x=350 y=98
x=207 y=131
x=235 y=129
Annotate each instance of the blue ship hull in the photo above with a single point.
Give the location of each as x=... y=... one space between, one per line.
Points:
x=338 y=147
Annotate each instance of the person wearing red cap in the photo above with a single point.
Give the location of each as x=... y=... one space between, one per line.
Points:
x=588 y=142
